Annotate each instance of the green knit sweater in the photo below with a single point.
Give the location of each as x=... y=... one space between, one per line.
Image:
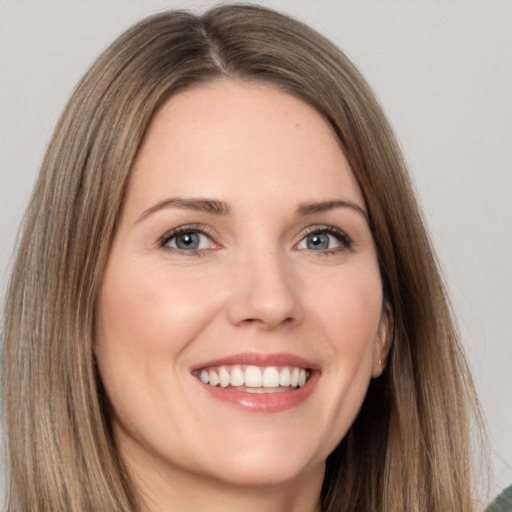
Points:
x=503 y=503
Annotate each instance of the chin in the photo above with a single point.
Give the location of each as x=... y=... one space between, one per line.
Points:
x=267 y=466
x=249 y=473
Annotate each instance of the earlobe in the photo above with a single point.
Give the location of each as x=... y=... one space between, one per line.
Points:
x=383 y=341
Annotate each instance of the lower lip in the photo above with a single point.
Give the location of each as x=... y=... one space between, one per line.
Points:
x=265 y=402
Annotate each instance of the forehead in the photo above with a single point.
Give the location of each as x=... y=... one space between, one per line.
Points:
x=245 y=138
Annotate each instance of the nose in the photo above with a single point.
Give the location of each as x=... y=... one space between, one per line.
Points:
x=265 y=293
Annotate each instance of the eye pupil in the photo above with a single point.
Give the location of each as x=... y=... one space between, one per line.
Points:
x=187 y=241
x=318 y=241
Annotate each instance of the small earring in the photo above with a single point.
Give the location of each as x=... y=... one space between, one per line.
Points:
x=380 y=364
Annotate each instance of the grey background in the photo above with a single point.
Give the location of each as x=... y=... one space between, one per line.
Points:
x=443 y=71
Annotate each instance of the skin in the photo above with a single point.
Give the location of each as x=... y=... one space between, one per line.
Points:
x=255 y=284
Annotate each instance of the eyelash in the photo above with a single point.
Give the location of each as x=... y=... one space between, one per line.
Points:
x=345 y=241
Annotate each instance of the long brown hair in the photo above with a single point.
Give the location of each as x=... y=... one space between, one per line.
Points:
x=409 y=448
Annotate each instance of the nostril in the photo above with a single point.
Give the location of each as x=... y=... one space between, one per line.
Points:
x=265 y=324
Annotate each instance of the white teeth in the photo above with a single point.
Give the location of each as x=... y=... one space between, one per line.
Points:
x=237 y=377
x=270 y=377
x=224 y=377
x=214 y=378
x=253 y=377
x=294 y=380
x=285 y=377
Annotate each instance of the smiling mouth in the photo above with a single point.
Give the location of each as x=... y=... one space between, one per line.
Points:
x=255 y=379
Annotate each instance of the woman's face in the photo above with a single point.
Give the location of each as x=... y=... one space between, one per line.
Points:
x=240 y=317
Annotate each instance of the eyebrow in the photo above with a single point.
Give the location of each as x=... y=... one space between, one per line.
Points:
x=310 y=208
x=216 y=207
x=197 y=204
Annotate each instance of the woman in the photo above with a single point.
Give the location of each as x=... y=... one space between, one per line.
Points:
x=224 y=294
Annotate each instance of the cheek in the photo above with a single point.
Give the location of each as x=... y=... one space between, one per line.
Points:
x=345 y=306
x=146 y=321
x=151 y=311
x=349 y=310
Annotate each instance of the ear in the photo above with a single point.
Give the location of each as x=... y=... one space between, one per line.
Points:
x=383 y=341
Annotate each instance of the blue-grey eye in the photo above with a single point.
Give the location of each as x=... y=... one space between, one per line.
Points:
x=189 y=241
x=318 y=241
x=322 y=241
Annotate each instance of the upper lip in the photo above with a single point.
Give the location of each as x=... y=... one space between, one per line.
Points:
x=259 y=359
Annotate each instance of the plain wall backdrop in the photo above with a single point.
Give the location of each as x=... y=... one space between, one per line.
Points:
x=441 y=69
